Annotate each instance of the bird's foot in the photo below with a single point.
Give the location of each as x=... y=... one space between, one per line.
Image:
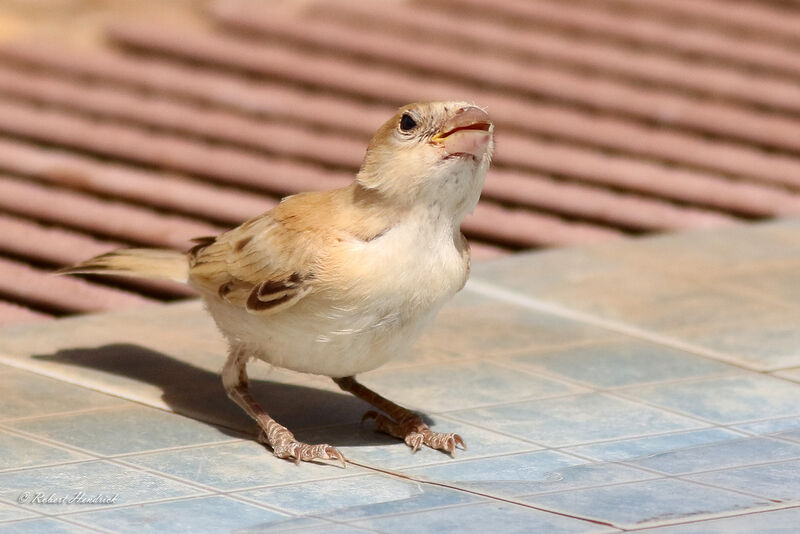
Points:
x=285 y=446
x=413 y=430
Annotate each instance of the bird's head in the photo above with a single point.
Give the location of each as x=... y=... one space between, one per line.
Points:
x=433 y=154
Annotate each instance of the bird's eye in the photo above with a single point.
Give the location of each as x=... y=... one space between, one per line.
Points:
x=407 y=122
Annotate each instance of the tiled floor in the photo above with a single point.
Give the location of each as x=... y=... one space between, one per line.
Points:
x=647 y=385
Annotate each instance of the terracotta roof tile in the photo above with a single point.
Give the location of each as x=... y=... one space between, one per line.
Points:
x=613 y=117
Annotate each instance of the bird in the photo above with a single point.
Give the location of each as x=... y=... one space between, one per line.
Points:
x=338 y=282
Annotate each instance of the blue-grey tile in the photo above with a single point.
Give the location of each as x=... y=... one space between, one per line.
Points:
x=479 y=519
x=706 y=253
x=18 y=452
x=777 y=481
x=26 y=394
x=793 y=435
x=780 y=282
x=793 y=374
x=10 y=513
x=728 y=399
x=363 y=444
x=157 y=331
x=424 y=354
x=764 y=341
x=239 y=465
x=534 y=273
x=651 y=501
x=43 y=526
x=576 y=419
x=524 y=474
x=477 y=325
x=205 y=514
x=123 y=430
x=771 y=426
x=329 y=528
x=660 y=304
x=659 y=276
x=621 y=363
x=627 y=449
x=770 y=522
x=461 y=385
x=96 y=478
x=731 y=453
x=358 y=497
x=651 y=298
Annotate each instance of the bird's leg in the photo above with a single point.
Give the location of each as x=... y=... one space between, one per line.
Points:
x=277 y=436
x=402 y=423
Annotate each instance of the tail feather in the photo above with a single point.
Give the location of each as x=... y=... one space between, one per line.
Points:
x=138 y=262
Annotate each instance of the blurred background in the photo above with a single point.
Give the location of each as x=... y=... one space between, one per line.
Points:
x=148 y=123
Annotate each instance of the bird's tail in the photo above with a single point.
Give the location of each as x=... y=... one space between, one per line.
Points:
x=138 y=262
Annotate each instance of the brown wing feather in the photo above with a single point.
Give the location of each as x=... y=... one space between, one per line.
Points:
x=262 y=266
x=269 y=263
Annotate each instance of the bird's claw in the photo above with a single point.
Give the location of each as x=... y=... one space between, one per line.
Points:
x=292 y=449
x=414 y=440
x=415 y=433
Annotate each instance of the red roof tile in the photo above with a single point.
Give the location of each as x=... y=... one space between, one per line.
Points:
x=613 y=117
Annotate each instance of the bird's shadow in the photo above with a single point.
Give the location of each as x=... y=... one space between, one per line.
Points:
x=198 y=393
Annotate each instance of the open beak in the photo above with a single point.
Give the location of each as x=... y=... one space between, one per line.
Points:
x=467 y=133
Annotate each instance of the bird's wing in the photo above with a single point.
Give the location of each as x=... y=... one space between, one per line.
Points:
x=263 y=266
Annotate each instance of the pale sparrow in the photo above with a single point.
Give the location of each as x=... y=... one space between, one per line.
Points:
x=338 y=282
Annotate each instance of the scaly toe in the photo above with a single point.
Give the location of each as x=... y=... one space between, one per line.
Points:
x=443 y=442
x=308 y=453
x=303 y=452
x=413 y=430
x=414 y=440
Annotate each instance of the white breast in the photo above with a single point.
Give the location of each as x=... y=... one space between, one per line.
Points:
x=401 y=280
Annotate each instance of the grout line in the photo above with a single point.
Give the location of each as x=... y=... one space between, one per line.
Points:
x=25 y=418
x=45 y=440
x=215 y=491
x=608 y=393
x=563 y=395
x=25 y=365
x=698 y=521
x=741 y=435
x=725 y=468
x=629 y=398
x=755 y=294
x=725 y=514
x=57 y=518
x=342 y=522
x=533 y=348
x=476 y=493
x=13 y=504
x=82 y=525
x=581 y=443
x=502 y=294
x=43 y=515
x=680 y=476
x=657 y=435
x=68 y=515
x=543 y=372
x=218 y=491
